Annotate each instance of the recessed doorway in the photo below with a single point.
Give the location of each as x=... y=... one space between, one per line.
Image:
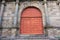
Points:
x=31 y=21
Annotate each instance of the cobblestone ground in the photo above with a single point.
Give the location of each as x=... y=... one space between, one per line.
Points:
x=28 y=38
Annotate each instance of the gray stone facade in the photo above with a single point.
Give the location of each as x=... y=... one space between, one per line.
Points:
x=53 y=17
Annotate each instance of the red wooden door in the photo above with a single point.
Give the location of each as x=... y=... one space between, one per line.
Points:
x=31 y=21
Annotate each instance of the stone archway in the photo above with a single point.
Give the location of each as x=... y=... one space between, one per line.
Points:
x=31 y=21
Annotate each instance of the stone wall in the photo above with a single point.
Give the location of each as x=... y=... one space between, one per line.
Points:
x=53 y=13
x=53 y=32
x=8 y=19
x=8 y=15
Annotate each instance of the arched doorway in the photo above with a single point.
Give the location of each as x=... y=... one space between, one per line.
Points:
x=31 y=21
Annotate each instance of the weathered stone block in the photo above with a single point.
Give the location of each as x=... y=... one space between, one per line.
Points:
x=9 y=32
x=53 y=33
x=6 y=32
x=53 y=14
x=9 y=15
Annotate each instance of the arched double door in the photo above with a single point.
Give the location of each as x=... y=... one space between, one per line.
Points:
x=31 y=21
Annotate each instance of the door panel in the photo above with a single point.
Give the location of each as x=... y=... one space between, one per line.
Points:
x=31 y=21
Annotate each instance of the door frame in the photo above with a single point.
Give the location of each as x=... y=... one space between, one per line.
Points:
x=25 y=5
